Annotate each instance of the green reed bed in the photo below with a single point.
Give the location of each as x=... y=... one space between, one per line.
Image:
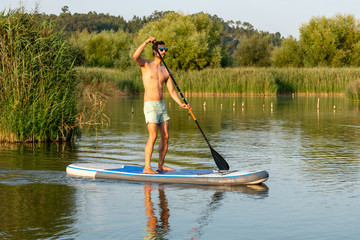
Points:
x=353 y=90
x=248 y=80
x=268 y=80
x=110 y=81
x=38 y=86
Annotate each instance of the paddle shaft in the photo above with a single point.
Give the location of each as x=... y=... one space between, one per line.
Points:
x=182 y=96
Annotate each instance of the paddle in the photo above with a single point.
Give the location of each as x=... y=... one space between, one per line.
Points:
x=219 y=160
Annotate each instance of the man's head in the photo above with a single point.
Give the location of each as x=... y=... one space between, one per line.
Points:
x=161 y=46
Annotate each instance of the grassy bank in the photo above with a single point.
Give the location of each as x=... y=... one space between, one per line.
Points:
x=261 y=81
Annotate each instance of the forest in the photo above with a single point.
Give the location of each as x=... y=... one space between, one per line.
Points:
x=107 y=41
x=197 y=41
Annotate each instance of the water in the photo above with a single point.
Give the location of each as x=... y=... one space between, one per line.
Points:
x=312 y=156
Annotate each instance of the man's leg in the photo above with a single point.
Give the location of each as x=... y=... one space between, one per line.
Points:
x=152 y=129
x=163 y=146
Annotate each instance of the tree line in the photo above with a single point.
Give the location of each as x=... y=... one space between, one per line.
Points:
x=195 y=41
x=201 y=40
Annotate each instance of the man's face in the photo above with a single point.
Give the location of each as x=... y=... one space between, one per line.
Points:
x=162 y=50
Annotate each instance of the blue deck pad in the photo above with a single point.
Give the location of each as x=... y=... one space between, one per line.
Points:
x=138 y=170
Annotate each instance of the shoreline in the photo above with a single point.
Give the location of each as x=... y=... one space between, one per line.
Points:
x=239 y=94
x=231 y=82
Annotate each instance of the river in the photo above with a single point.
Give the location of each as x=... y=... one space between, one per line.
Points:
x=309 y=146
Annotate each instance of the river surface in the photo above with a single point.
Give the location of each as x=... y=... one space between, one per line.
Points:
x=312 y=155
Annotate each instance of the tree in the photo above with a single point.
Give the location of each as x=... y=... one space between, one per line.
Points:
x=288 y=55
x=254 y=51
x=330 y=41
x=65 y=9
x=107 y=49
x=193 y=40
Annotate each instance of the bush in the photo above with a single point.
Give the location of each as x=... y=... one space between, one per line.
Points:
x=288 y=55
x=254 y=51
x=105 y=49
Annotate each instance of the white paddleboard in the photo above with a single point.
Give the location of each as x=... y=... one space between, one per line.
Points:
x=188 y=176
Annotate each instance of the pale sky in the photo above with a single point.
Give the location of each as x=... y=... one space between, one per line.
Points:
x=284 y=16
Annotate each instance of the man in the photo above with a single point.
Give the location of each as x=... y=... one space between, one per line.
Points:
x=154 y=76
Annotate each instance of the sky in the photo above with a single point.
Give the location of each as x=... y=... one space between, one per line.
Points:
x=284 y=16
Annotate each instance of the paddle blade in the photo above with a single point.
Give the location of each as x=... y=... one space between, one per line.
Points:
x=219 y=160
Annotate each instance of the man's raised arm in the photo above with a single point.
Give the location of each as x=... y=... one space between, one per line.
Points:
x=136 y=56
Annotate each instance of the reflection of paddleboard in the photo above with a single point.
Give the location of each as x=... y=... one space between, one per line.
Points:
x=190 y=176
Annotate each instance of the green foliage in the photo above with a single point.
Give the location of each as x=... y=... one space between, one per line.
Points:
x=38 y=85
x=220 y=38
x=91 y=21
x=201 y=40
x=327 y=42
x=330 y=41
x=193 y=40
x=106 y=49
x=355 y=54
x=288 y=55
x=254 y=50
x=97 y=22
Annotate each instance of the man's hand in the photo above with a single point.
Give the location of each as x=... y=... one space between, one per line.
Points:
x=151 y=40
x=183 y=105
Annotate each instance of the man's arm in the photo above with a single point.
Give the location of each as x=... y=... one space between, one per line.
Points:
x=174 y=94
x=136 y=56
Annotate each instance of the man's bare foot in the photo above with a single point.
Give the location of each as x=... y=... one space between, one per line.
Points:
x=166 y=168
x=149 y=170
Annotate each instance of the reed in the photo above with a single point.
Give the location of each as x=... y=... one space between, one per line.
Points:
x=38 y=86
x=110 y=81
x=249 y=80
x=353 y=90
x=268 y=80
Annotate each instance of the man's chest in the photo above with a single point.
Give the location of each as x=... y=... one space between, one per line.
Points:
x=156 y=74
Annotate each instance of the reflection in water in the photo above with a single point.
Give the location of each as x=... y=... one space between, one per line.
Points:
x=34 y=201
x=215 y=203
x=203 y=221
x=36 y=211
x=159 y=228
x=255 y=191
x=37 y=156
x=156 y=229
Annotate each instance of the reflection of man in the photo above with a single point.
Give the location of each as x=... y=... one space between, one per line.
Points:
x=154 y=76
x=154 y=229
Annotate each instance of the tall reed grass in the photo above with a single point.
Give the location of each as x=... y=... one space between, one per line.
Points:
x=268 y=80
x=110 y=81
x=38 y=86
x=353 y=90
x=249 y=80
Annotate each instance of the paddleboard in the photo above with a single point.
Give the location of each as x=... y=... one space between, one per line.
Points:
x=187 y=176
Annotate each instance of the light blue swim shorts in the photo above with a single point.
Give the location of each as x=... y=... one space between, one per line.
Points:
x=155 y=112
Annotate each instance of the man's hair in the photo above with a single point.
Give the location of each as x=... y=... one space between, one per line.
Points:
x=157 y=43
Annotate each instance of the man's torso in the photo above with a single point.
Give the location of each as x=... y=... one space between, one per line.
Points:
x=154 y=78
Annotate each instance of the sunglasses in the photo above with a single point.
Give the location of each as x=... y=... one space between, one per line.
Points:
x=163 y=49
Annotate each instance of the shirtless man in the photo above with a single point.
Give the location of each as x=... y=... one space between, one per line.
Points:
x=154 y=76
